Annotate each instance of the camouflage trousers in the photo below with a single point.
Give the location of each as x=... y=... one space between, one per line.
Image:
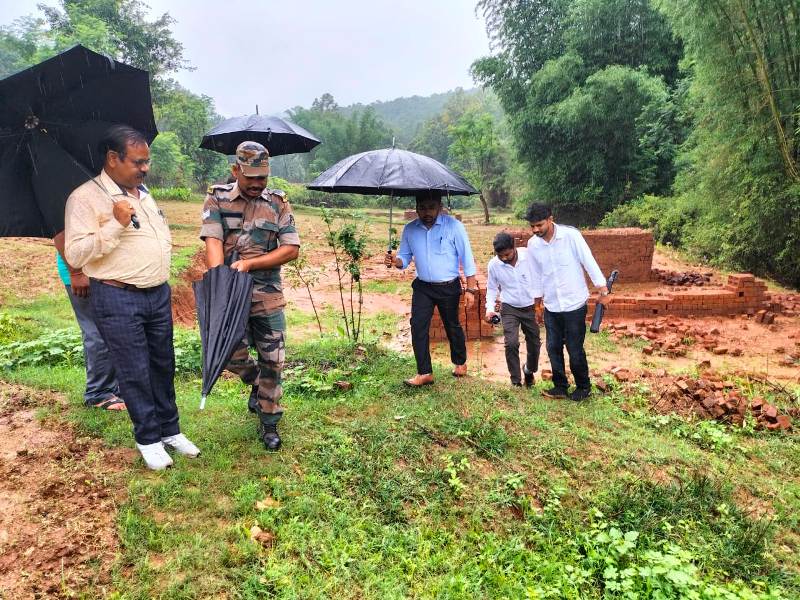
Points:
x=266 y=334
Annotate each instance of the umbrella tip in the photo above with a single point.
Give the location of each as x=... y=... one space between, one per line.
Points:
x=203 y=402
x=393 y=139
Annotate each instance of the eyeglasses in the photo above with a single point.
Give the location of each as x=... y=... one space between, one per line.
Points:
x=141 y=162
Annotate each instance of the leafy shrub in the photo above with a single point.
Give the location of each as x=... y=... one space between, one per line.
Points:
x=667 y=217
x=184 y=194
x=60 y=347
x=13 y=329
x=188 y=351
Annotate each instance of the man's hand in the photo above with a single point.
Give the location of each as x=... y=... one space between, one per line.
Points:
x=469 y=301
x=123 y=211
x=602 y=293
x=489 y=316
x=390 y=261
x=80 y=284
x=243 y=266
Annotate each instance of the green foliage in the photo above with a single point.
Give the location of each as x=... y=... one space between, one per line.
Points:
x=739 y=169
x=592 y=118
x=341 y=135
x=668 y=218
x=183 y=194
x=188 y=351
x=170 y=166
x=348 y=244
x=59 y=347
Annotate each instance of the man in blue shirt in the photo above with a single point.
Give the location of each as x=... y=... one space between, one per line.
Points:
x=439 y=245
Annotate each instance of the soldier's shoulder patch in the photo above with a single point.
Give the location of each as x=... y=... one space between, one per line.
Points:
x=279 y=193
x=220 y=191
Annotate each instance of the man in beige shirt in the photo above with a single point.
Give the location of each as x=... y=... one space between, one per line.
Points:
x=119 y=237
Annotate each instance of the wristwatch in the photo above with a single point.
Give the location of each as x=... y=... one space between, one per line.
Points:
x=472 y=291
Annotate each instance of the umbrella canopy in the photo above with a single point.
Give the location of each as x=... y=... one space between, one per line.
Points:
x=391 y=172
x=275 y=134
x=52 y=117
x=222 y=299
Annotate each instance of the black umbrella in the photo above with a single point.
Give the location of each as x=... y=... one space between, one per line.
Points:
x=223 y=300
x=391 y=172
x=275 y=134
x=52 y=117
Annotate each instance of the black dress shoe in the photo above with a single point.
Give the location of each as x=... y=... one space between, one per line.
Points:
x=516 y=384
x=252 y=402
x=580 y=394
x=269 y=435
x=528 y=376
x=555 y=392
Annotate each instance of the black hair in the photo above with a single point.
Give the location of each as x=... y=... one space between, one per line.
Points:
x=538 y=212
x=503 y=241
x=428 y=195
x=117 y=138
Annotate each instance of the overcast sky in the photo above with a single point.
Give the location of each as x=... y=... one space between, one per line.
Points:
x=283 y=54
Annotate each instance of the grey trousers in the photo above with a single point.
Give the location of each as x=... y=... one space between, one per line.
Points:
x=101 y=379
x=512 y=319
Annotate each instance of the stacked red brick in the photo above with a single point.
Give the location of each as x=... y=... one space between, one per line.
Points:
x=628 y=250
x=471 y=320
x=743 y=293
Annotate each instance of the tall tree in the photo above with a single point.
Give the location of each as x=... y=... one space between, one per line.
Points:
x=477 y=151
x=579 y=80
x=741 y=161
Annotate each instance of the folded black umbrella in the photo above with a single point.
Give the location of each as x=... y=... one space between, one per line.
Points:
x=275 y=134
x=52 y=118
x=222 y=299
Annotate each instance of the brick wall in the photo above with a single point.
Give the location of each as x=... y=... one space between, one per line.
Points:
x=629 y=250
x=743 y=293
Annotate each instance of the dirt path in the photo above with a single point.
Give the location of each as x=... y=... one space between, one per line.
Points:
x=58 y=503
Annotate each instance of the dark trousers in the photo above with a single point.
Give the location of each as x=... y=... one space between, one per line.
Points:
x=101 y=380
x=567 y=329
x=137 y=328
x=512 y=319
x=445 y=297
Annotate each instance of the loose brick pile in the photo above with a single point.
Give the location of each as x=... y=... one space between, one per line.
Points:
x=672 y=336
x=629 y=250
x=786 y=304
x=709 y=397
x=682 y=278
x=742 y=294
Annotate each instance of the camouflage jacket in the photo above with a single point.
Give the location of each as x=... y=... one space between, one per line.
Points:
x=251 y=228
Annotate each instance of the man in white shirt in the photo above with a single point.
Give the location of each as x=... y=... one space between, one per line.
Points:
x=510 y=275
x=558 y=255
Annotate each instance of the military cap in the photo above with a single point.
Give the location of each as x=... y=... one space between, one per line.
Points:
x=253 y=159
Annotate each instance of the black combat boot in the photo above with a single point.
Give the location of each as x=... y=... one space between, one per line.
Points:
x=252 y=402
x=268 y=432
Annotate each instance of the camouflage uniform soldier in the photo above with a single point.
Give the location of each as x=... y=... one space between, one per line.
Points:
x=251 y=228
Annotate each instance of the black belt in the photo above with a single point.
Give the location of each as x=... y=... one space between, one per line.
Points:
x=440 y=282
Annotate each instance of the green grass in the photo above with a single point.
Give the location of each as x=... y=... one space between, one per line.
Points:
x=465 y=489
x=385 y=286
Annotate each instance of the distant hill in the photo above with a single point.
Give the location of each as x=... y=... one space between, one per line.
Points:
x=405 y=115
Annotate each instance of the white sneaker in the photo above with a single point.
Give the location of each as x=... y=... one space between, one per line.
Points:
x=155 y=457
x=181 y=444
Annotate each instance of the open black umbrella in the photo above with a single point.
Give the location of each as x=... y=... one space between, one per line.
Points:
x=275 y=134
x=223 y=300
x=52 y=117
x=391 y=172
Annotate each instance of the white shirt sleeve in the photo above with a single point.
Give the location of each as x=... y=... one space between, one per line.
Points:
x=535 y=271
x=587 y=260
x=492 y=289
